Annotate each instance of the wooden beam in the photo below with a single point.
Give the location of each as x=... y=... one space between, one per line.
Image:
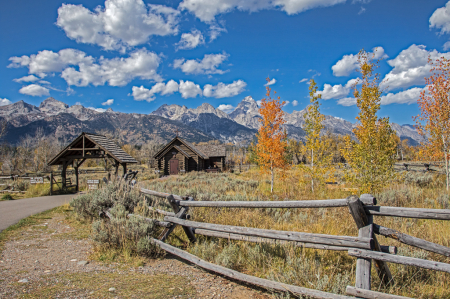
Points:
x=269 y=284
x=364 y=224
x=410 y=240
x=437 y=214
x=410 y=261
x=239 y=237
x=361 y=293
x=86 y=149
x=67 y=158
x=344 y=241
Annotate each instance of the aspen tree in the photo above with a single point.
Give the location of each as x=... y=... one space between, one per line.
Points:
x=372 y=155
x=433 y=122
x=271 y=146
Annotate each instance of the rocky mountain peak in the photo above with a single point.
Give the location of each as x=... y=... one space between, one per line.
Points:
x=52 y=107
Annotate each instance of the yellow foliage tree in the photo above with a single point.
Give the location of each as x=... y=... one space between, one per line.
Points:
x=271 y=146
x=316 y=145
x=372 y=155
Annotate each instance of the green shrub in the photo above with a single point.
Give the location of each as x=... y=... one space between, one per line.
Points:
x=7 y=196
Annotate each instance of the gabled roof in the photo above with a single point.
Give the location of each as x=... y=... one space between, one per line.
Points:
x=166 y=148
x=212 y=150
x=94 y=144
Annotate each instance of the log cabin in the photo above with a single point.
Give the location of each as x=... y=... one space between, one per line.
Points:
x=180 y=156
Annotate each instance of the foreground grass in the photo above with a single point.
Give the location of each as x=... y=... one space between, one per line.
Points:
x=319 y=269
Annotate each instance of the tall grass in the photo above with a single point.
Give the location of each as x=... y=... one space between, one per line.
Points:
x=319 y=269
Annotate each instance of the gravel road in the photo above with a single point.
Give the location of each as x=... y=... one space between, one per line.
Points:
x=12 y=211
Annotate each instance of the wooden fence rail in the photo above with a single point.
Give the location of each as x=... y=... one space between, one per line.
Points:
x=364 y=247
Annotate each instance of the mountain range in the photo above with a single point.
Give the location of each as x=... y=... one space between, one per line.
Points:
x=199 y=124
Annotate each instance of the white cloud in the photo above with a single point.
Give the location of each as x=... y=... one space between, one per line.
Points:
x=190 y=40
x=142 y=93
x=347 y=102
x=222 y=90
x=258 y=103
x=4 y=102
x=49 y=62
x=119 y=25
x=206 y=10
x=208 y=65
x=294 y=103
x=108 y=102
x=337 y=91
x=34 y=90
x=286 y=103
x=271 y=82
x=440 y=19
x=410 y=67
x=409 y=96
x=349 y=63
x=303 y=80
x=44 y=82
x=29 y=78
x=101 y=110
x=226 y=108
x=189 y=89
x=215 y=31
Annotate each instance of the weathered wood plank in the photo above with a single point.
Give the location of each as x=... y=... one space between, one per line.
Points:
x=363 y=265
x=364 y=221
x=410 y=261
x=367 y=294
x=161 y=194
x=438 y=214
x=244 y=277
x=323 y=203
x=344 y=241
x=410 y=240
x=162 y=212
x=239 y=237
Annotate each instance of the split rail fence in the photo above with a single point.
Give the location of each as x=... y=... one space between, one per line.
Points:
x=365 y=247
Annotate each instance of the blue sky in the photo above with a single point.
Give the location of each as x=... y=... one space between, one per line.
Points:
x=134 y=55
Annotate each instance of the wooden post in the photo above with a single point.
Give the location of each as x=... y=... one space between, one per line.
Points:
x=179 y=213
x=51 y=183
x=363 y=221
x=124 y=165
x=76 y=178
x=63 y=174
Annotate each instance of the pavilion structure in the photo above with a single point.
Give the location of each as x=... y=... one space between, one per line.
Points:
x=90 y=146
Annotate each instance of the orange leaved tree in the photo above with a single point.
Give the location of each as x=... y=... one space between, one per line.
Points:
x=272 y=142
x=433 y=122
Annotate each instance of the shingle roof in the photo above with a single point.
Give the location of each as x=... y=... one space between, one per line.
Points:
x=212 y=150
x=92 y=140
x=181 y=151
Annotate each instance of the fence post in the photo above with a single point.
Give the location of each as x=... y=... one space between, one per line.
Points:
x=51 y=183
x=364 y=223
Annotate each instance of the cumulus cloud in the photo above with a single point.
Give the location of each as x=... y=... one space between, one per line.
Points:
x=226 y=108
x=215 y=31
x=190 y=40
x=208 y=65
x=189 y=89
x=271 y=82
x=108 y=102
x=101 y=110
x=294 y=103
x=34 y=90
x=286 y=103
x=222 y=90
x=116 y=71
x=144 y=94
x=50 y=62
x=337 y=91
x=410 y=67
x=4 y=102
x=349 y=63
x=29 y=78
x=207 y=10
x=440 y=19
x=409 y=96
x=119 y=25
x=347 y=102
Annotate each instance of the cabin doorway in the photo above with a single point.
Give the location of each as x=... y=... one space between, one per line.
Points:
x=174 y=166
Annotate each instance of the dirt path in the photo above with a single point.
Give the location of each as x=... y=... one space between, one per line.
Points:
x=51 y=259
x=12 y=211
